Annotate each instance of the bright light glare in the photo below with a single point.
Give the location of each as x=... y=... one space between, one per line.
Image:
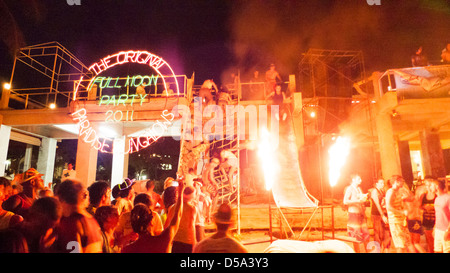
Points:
x=7 y=86
x=313 y=114
x=105 y=131
x=338 y=153
x=267 y=157
x=52 y=106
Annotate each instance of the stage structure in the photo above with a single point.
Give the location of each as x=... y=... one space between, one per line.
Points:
x=327 y=79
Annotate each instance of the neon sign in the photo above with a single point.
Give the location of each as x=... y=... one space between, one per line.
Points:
x=105 y=144
x=122 y=99
x=133 y=81
x=131 y=56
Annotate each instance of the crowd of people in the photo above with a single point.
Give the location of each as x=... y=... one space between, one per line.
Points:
x=98 y=219
x=400 y=216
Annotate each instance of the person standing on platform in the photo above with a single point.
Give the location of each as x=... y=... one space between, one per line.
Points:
x=272 y=76
x=69 y=172
x=446 y=54
x=205 y=91
x=355 y=200
x=419 y=58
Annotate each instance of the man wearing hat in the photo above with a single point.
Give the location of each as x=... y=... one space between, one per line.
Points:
x=221 y=241
x=31 y=182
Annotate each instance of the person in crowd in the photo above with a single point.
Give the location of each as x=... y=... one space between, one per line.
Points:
x=124 y=230
x=355 y=201
x=442 y=209
x=446 y=54
x=413 y=218
x=200 y=202
x=141 y=217
x=31 y=182
x=208 y=175
x=395 y=199
x=205 y=91
x=8 y=219
x=272 y=77
x=189 y=178
x=69 y=172
x=99 y=195
x=12 y=241
x=426 y=199
x=39 y=227
x=210 y=185
x=221 y=241
x=419 y=58
x=107 y=218
x=379 y=218
x=115 y=193
x=126 y=193
x=157 y=201
x=78 y=230
x=46 y=192
x=185 y=238
x=169 y=198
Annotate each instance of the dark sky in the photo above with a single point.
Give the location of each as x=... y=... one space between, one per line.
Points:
x=208 y=37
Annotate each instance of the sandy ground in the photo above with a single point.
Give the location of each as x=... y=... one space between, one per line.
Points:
x=255 y=222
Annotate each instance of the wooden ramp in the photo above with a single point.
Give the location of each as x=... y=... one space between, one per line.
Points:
x=288 y=190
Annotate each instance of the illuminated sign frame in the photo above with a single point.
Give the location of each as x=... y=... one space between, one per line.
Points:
x=150 y=135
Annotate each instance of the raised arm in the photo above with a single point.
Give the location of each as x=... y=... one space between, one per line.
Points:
x=177 y=211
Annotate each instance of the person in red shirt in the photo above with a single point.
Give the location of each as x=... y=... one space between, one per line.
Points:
x=20 y=203
x=78 y=231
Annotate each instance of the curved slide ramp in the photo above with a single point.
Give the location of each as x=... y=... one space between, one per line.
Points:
x=289 y=190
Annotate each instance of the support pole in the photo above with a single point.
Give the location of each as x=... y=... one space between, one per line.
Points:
x=46 y=159
x=5 y=133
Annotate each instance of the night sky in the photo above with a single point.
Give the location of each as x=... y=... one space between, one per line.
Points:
x=211 y=37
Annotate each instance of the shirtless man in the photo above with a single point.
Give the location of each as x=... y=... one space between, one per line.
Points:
x=354 y=199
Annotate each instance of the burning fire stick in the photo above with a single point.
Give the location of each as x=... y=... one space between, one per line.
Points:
x=267 y=156
x=338 y=153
